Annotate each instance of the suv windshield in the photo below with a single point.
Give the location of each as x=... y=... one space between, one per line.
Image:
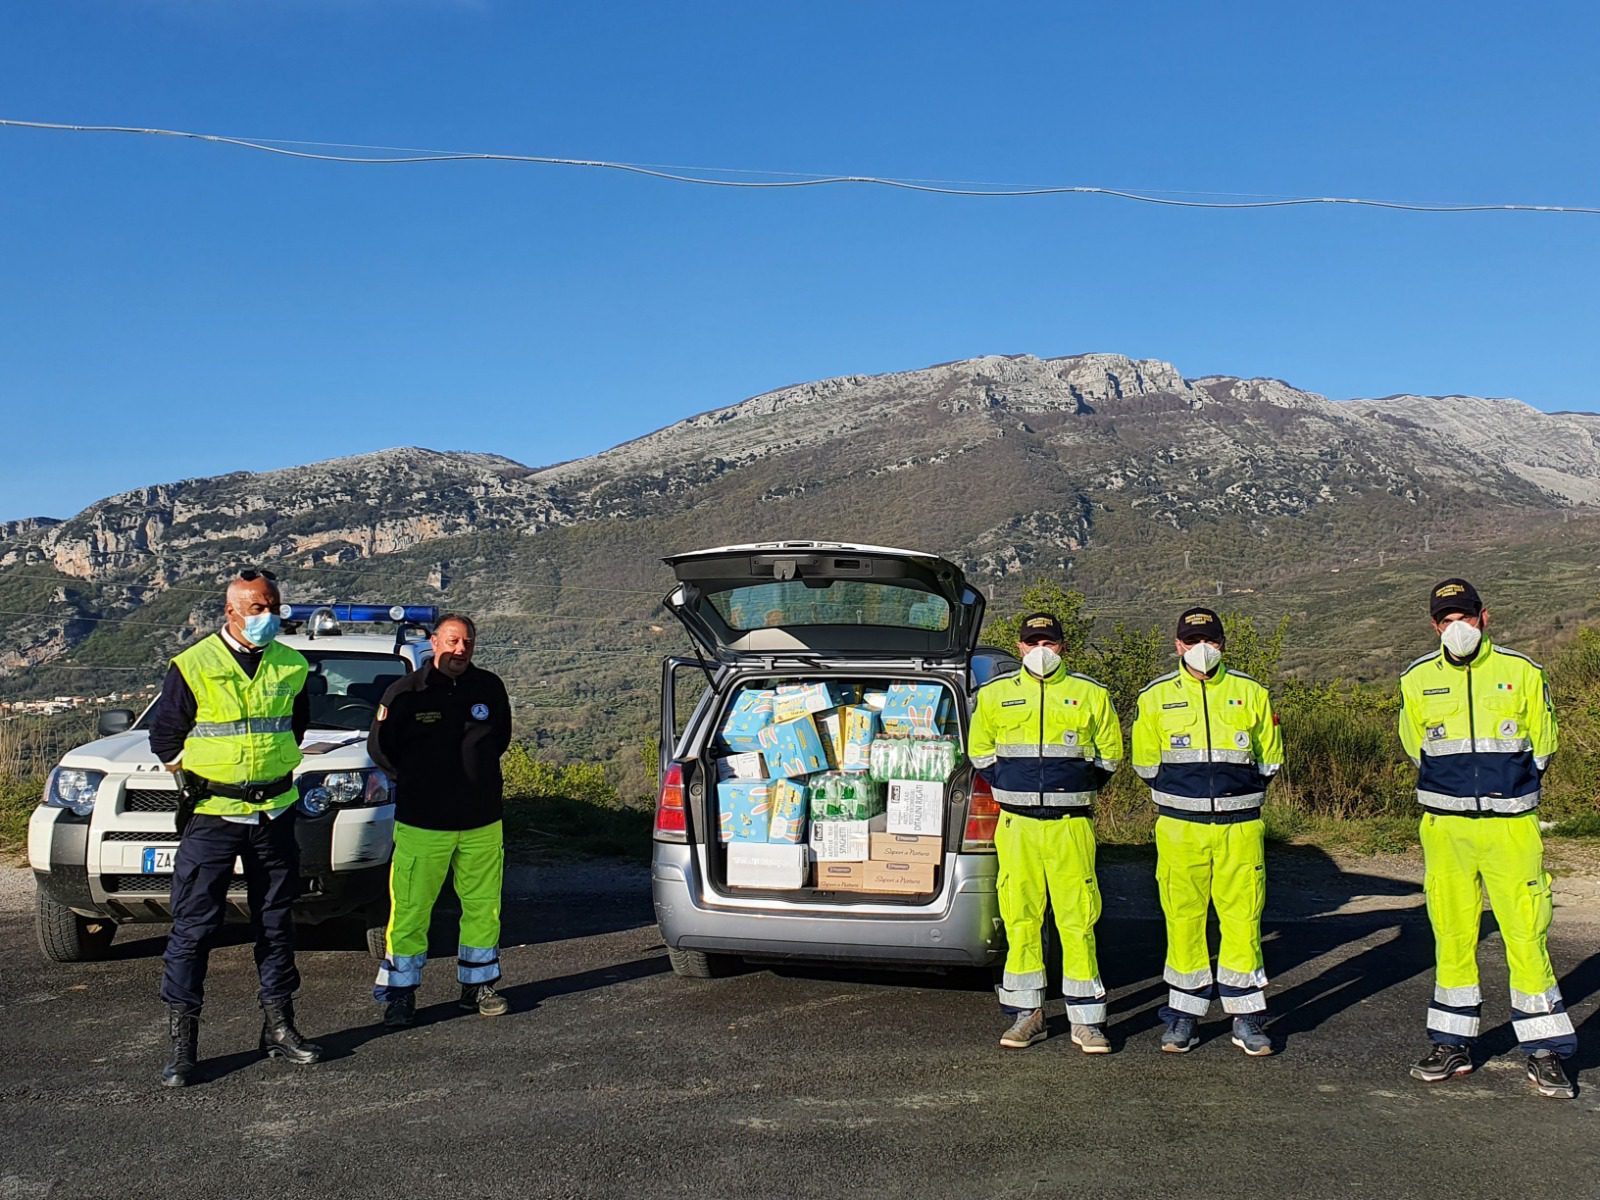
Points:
x=346 y=689
x=837 y=602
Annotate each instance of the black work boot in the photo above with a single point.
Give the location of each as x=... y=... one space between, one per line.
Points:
x=279 y=1037
x=484 y=998
x=401 y=1010
x=183 y=1031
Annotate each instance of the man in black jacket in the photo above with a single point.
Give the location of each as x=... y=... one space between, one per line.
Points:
x=439 y=734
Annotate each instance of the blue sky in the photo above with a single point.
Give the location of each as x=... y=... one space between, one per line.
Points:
x=175 y=308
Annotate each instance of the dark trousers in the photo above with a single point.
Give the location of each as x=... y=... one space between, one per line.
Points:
x=200 y=875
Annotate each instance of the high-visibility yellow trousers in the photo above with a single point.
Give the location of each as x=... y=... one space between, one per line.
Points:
x=422 y=858
x=1200 y=866
x=1464 y=857
x=1049 y=860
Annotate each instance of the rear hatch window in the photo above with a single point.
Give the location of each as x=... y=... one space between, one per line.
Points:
x=836 y=789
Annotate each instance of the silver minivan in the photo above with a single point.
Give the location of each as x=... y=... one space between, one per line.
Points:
x=778 y=613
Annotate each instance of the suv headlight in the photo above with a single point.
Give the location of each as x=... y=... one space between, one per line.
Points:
x=320 y=792
x=73 y=789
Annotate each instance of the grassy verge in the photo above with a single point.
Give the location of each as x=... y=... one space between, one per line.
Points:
x=553 y=827
x=18 y=799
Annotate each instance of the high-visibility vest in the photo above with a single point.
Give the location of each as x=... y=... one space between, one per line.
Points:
x=1206 y=747
x=1481 y=733
x=1044 y=743
x=243 y=731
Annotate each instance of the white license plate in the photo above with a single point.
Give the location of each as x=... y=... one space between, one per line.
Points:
x=158 y=860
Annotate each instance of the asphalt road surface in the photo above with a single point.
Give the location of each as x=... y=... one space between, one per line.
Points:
x=612 y=1077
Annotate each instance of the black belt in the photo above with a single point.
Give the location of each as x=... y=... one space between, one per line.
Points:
x=1041 y=812
x=1237 y=816
x=250 y=793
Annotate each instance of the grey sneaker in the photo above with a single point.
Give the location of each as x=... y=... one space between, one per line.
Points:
x=1443 y=1062
x=484 y=998
x=1250 y=1037
x=1180 y=1037
x=1027 y=1029
x=1547 y=1073
x=1091 y=1039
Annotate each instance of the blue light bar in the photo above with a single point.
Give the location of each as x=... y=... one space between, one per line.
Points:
x=410 y=614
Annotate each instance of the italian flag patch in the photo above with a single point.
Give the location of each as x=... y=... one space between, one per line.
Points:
x=1504 y=687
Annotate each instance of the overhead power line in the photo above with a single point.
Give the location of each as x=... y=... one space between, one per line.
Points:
x=774 y=180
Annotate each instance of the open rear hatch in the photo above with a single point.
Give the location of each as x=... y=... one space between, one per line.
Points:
x=815 y=600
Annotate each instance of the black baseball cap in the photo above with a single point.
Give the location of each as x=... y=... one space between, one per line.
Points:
x=1199 y=624
x=1454 y=595
x=1039 y=625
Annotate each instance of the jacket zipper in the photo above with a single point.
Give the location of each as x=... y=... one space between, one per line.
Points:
x=1211 y=770
x=1040 y=746
x=1472 y=738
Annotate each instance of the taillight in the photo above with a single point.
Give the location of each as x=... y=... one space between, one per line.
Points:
x=982 y=815
x=671 y=823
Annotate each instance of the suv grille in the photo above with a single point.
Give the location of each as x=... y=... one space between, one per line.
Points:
x=161 y=884
x=141 y=835
x=144 y=800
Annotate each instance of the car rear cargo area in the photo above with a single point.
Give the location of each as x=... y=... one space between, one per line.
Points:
x=835 y=789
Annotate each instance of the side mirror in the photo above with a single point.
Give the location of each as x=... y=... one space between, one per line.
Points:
x=115 y=720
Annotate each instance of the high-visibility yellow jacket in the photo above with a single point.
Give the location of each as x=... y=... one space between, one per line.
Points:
x=1206 y=747
x=243 y=731
x=1481 y=733
x=1044 y=743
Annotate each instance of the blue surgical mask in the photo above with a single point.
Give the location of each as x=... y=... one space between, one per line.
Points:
x=262 y=629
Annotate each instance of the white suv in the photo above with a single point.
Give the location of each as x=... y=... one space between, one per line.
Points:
x=101 y=842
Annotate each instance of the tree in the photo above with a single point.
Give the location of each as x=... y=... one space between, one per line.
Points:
x=1046 y=595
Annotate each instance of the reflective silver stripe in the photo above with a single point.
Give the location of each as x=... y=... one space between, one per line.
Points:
x=1465 y=997
x=1108 y=764
x=1034 y=750
x=1449 y=1022
x=1196 y=1006
x=1021 y=981
x=1145 y=772
x=242 y=728
x=1086 y=1014
x=1032 y=998
x=1532 y=1029
x=1079 y=988
x=1505 y=805
x=1270 y=769
x=468 y=973
x=1201 y=804
x=982 y=761
x=1215 y=755
x=1242 y=979
x=1484 y=745
x=1541 y=761
x=1536 y=1002
x=405 y=971
x=1193 y=980
x=1248 y=1003
x=1440 y=747
x=1051 y=799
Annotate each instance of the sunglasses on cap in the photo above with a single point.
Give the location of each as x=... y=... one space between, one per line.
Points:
x=251 y=574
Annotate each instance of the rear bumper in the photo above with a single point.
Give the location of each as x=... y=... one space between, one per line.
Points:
x=960 y=928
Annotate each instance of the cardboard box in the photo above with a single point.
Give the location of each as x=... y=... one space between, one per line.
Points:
x=847 y=735
x=915 y=806
x=789 y=808
x=795 y=699
x=793 y=747
x=888 y=878
x=751 y=713
x=742 y=766
x=845 y=841
x=914 y=709
x=754 y=865
x=744 y=809
x=905 y=847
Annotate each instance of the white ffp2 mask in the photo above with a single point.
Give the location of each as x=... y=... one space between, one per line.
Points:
x=1041 y=661
x=1203 y=657
x=1461 y=639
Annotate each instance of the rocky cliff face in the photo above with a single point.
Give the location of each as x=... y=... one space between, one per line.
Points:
x=1007 y=463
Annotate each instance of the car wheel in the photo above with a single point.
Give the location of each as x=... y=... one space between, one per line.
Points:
x=697 y=964
x=377 y=923
x=65 y=937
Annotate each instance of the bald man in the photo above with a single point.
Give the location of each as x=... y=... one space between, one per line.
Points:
x=228 y=723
